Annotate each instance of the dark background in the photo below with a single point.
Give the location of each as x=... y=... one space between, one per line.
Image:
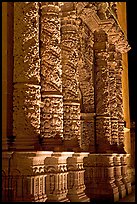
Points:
x=132 y=56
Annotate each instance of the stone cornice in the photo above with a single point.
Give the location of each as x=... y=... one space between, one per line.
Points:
x=88 y=13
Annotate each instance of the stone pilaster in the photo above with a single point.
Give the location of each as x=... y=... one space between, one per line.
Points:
x=124 y=174
x=113 y=96
x=71 y=96
x=86 y=82
x=99 y=177
x=118 y=176
x=51 y=76
x=26 y=93
x=120 y=112
x=76 y=186
x=102 y=96
x=56 y=168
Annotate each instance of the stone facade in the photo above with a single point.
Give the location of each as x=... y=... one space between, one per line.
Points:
x=68 y=115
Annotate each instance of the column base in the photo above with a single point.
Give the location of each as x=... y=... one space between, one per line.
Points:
x=78 y=197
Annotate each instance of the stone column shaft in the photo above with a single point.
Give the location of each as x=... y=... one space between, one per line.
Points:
x=120 y=101
x=26 y=93
x=86 y=82
x=103 y=120
x=51 y=75
x=113 y=98
x=71 y=98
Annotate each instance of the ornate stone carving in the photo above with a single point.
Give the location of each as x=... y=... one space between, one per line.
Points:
x=51 y=70
x=26 y=42
x=26 y=115
x=56 y=168
x=76 y=185
x=85 y=69
x=51 y=74
x=87 y=132
x=72 y=126
x=118 y=176
x=70 y=57
x=99 y=177
x=124 y=174
x=52 y=116
x=26 y=94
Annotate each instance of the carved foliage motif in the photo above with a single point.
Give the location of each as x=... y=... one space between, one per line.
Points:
x=52 y=116
x=101 y=73
x=69 y=46
x=72 y=120
x=51 y=71
x=26 y=108
x=85 y=68
x=103 y=130
x=26 y=42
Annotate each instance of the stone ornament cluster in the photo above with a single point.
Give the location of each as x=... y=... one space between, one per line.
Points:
x=67 y=62
x=46 y=176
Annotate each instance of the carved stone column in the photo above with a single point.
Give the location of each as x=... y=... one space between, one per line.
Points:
x=56 y=168
x=120 y=102
x=113 y=96
x=51 y=75
x=76 y=186
x=99 y=178
x=102 y=96
x=71 y=96
x=125 y=179
x=118 y=176
x=26 y=93
x=86 y=82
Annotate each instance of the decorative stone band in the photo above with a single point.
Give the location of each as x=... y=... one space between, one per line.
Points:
x=110 y=26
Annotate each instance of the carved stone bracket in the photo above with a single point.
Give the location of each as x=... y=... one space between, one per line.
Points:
x=99 y=18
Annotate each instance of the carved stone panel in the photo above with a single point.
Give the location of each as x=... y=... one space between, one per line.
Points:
x=52 y=116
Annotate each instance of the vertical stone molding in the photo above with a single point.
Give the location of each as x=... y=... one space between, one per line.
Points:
x=86 y=82
x=51 y=75
x=118 y=176
x=125 y=178
x=26 y=93
x=102 y=97
x=70 y=58
x=76 y=186
x=113 y=97
x=120 y=112
x=56 y=168
x=99 y=177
